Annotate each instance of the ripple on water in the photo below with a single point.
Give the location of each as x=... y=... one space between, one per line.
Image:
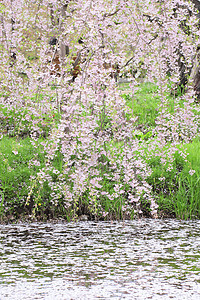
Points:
x=146 y=259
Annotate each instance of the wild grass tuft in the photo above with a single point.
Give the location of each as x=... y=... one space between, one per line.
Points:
x=178 y=190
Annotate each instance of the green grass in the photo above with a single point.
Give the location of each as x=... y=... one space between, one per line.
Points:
x=187 y=200
x=15 y=176
x=14 y=122
x=15 y=172
x=144 y=104
x=178 y=192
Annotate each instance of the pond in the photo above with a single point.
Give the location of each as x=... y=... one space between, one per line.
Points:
x=140 y=259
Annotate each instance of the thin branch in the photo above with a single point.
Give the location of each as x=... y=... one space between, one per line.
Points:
x=111 y=14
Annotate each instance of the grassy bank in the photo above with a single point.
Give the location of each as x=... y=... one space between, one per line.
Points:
x=23 y=194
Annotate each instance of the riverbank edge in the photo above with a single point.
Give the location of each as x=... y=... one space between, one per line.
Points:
x=6 y=220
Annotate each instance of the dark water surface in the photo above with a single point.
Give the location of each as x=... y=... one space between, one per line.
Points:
x=147 y=259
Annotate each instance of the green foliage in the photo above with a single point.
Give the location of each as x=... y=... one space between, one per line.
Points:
x=187 y=202
x=20 y=163
x=144 y=104
x=14 y=172
x=19 y=121
x=178 y=190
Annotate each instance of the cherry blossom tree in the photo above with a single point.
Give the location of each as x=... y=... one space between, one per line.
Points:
x=103 y=160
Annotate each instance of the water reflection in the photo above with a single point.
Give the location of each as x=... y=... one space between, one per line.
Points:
x=147 y=259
